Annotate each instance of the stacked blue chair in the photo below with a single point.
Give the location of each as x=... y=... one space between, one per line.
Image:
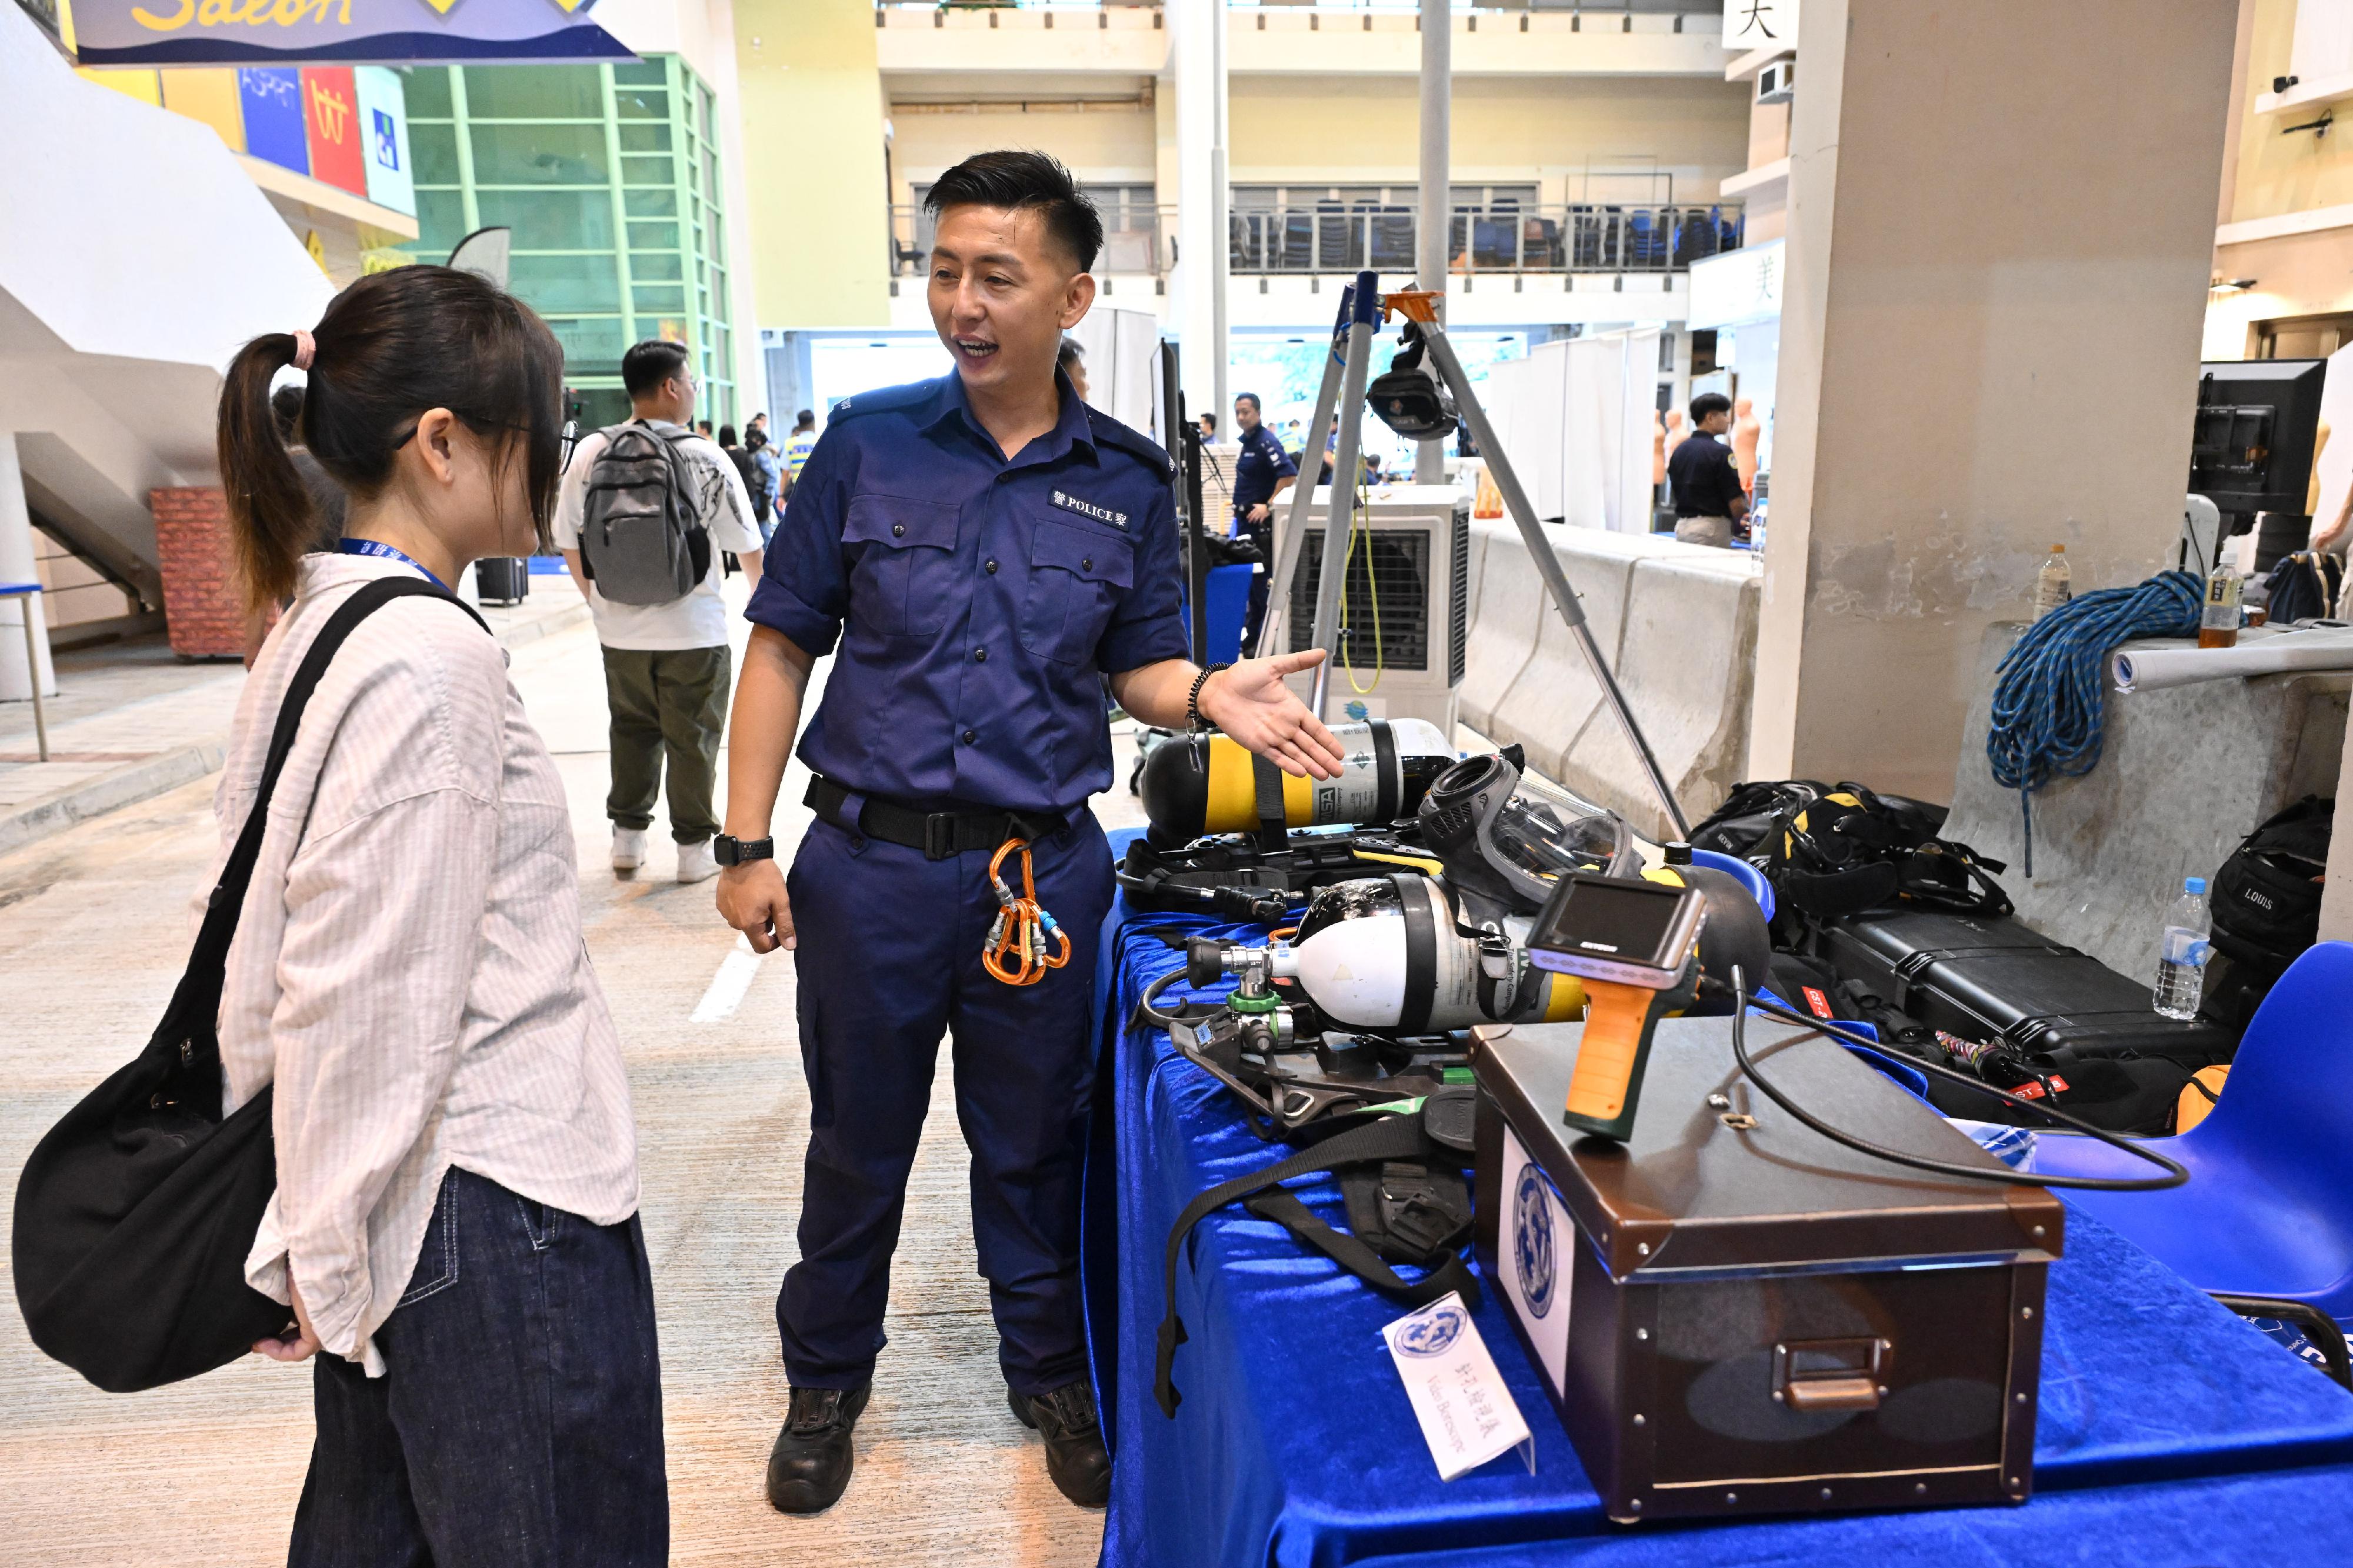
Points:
x=2268 y=1209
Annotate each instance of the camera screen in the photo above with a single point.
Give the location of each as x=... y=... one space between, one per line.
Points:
x=1627 y=920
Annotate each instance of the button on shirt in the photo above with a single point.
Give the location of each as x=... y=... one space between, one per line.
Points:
x=1703 y=477
x=975 y=600
x=1261 y=465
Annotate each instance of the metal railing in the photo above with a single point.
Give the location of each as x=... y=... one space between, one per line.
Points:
x=1334 y=238
x=1135 y=240
x=1587 y=237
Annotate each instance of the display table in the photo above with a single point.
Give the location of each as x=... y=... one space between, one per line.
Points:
x=2170 y=1433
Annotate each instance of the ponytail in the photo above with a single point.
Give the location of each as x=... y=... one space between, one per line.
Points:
x=270 y=518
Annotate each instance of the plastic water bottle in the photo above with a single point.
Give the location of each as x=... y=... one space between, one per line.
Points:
x=2182 y=954
x=2054 y=584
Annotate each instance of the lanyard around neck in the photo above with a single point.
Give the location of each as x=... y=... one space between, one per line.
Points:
x=378 y=548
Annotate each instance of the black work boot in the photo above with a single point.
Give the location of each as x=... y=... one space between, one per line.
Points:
x=810 y=1466
x=1075 y=1456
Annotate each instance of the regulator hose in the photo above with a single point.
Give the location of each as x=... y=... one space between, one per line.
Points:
x=2047 y=697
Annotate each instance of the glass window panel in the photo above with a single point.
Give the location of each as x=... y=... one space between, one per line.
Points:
x=433 y=153
x=597 y=407
x=719 y=290
x=533 y=92
x=637 y=137
x=653 y=236
x=669 y=297
x=650 y=203
x=641 y=73
x=641 y=102
x=657 y=170
x=552 y=220
x=710 y=106
x=655 y=267
x=428 y=93
x=548 y=283
x=591 y=347
x=718 y=238
x=539 y=154
x=440 y=222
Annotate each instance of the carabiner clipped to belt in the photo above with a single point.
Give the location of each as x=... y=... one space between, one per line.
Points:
x=1016 y=949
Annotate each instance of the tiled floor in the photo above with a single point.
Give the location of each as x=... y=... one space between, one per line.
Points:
x=90 y=942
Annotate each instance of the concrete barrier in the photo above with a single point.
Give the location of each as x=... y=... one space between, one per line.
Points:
x=1686 y=661
x=1507 y=599
x=2184 y=773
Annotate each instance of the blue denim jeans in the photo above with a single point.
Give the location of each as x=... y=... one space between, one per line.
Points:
x=519 y=1422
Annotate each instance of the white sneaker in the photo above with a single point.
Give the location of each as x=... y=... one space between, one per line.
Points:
x=694 y=862
x=628 y=848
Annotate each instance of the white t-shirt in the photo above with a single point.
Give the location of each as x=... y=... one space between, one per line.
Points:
x=700 y=619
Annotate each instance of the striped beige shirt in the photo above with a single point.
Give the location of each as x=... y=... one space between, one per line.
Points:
x=408 y=967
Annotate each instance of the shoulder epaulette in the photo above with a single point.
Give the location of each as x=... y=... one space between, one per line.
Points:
x=882 y=399
x=1111 y=432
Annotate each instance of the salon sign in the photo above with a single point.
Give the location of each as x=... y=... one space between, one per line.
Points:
x=335 y=32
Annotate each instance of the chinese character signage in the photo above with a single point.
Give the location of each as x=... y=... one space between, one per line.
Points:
x=1742 y=285
x=336 y=32
x=1751 y=24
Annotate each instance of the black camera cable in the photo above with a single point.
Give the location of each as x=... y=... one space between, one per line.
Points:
x=2175 y=1172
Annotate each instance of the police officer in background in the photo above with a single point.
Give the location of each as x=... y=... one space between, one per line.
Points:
x=975 y=551
x=1263 y=471
x=1709 y=497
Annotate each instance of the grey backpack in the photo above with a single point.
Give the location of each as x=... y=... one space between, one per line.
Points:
x=641 y=536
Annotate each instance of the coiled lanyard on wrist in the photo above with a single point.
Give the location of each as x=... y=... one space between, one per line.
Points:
x=1016 y=949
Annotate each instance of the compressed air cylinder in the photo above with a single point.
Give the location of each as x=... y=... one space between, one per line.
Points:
x=1382 y=952
x=1195 y=784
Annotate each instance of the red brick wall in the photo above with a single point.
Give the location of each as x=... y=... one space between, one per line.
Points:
x=202 y=608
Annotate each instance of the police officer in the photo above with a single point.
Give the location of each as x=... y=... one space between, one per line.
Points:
x=1263 y=471
x=1708 y=495
x=975 y=551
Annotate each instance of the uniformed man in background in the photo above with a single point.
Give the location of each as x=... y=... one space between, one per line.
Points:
x=975 y=551
x=1263 y=471
x=1708 y=495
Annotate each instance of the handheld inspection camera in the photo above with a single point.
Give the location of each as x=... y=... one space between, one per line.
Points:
x=1631 y=943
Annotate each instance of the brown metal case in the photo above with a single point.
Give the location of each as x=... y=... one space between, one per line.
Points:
x=1737 y=1315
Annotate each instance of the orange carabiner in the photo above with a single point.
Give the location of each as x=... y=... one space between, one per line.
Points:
x=1016 y=949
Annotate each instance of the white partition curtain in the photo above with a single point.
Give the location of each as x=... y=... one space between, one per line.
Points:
x=1123 y=373
x=1574 y=420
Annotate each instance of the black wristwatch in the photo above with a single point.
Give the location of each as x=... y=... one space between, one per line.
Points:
x=729 y=850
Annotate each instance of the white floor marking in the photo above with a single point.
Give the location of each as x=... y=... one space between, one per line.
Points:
x=727 y=987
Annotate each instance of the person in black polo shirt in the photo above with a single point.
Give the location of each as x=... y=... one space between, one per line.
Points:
x=1706 y=482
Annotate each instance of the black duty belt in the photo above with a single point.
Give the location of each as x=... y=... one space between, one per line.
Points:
x=938 y=834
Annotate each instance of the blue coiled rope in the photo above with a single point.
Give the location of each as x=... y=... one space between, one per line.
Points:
x=2048 y=691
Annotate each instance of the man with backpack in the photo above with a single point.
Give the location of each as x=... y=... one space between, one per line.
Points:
x=644 y=513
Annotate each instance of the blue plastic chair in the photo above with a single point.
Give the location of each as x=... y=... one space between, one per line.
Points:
x=2268 y=1209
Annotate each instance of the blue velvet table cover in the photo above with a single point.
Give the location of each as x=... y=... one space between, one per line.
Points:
x=2170 y=1433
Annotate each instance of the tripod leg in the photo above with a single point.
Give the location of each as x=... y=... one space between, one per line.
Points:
x=1294 y=527
x=1363 y=322
x=1564 y=597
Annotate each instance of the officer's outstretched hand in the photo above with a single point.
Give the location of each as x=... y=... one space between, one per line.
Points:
x=752 y=900
x=1251 y=704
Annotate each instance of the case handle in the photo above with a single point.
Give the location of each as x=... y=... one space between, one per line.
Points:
x=1832 y=1374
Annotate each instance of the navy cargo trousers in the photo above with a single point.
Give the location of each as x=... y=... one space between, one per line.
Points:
x=889 y=959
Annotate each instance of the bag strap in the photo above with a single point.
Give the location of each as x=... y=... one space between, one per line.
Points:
x=200 y=985
x=1390 y=1138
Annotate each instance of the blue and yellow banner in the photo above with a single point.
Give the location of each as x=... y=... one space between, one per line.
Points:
x=112 y=33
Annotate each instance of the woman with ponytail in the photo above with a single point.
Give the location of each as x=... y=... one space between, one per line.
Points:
x=454 y=1231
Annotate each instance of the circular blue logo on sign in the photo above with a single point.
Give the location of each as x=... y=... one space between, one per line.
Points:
x=1531 y=1246
x=1433 y=1333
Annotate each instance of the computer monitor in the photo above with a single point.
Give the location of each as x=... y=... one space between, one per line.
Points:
x=2251 y=448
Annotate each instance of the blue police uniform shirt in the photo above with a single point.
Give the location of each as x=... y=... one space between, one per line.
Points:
x=975 y=600
x=1262 y=465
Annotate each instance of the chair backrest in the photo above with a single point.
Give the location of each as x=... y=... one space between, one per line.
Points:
x=2289 y=1099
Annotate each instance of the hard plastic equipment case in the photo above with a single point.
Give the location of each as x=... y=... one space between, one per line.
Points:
x=1989 y=978
x=1735 y=1315
x=503 y=579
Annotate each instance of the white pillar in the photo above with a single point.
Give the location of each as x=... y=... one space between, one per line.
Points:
x=18 y=564
x=1196 y=47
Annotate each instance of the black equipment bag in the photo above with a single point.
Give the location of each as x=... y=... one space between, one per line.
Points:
x=2266 y=906
x=1990 y=979
x=2136 y=1095
x=1401 y=1176
x=136 y=1211
x=1836 y=850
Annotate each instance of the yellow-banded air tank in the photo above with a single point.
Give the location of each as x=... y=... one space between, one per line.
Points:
x=1384 y=953
x=1194 y=784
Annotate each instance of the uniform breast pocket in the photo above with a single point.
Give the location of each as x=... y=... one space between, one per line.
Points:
x=1076 y=576
x=905 y=575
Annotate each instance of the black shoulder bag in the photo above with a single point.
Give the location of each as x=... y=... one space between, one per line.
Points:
x=136 y=1212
